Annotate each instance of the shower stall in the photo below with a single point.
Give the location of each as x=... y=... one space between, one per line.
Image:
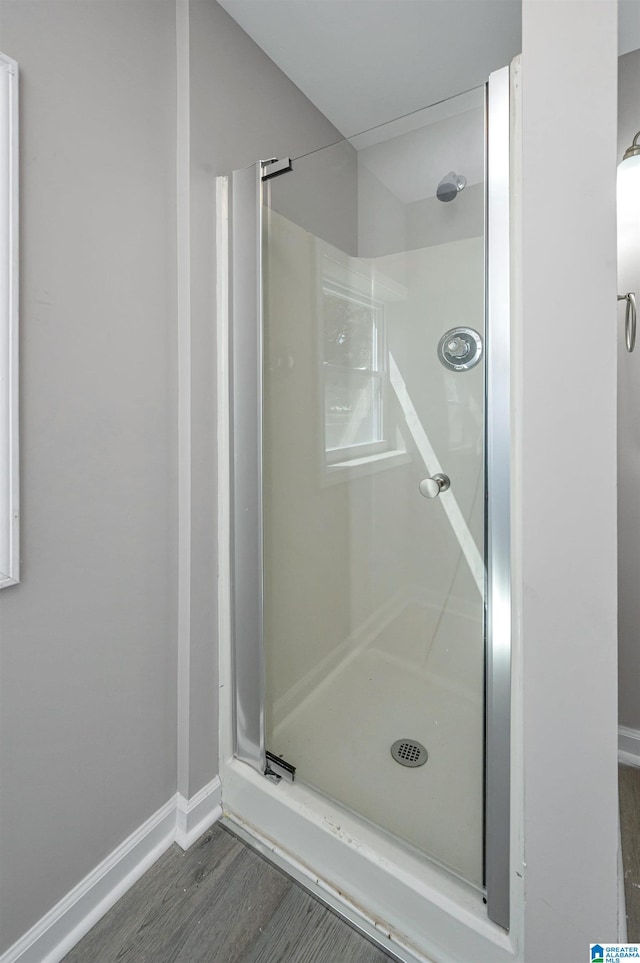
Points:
x=367 y=711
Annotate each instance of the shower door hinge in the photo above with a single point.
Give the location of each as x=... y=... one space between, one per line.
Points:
x=278 y=768
x=271 y=168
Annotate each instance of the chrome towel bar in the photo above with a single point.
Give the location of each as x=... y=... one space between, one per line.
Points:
x=630 y=319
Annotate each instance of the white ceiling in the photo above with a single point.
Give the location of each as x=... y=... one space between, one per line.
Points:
x=364 y=62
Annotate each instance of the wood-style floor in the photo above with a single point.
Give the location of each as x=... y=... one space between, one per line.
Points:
x=220 y=902
x=629 y=783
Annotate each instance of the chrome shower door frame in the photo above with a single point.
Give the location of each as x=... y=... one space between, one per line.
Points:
x=246 y=367
x=246 y=357
x=497 y=821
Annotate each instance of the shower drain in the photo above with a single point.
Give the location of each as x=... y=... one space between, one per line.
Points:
x=410 y=753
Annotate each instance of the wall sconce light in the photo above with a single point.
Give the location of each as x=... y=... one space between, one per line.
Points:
x=629 y=213
x=632 y=154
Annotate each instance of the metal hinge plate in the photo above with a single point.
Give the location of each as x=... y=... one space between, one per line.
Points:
x=279 y=768
x=272 y=168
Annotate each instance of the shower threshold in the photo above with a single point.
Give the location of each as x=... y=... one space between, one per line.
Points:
x=399 y=899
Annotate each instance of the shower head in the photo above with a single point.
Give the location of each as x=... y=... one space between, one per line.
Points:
x=450 y=186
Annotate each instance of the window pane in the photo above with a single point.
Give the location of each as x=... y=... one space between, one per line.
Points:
x=349 y=331
x=353 y=408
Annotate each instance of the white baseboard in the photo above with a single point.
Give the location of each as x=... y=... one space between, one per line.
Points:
x=179 y=820
x=194 y=816
x=628 y=746
x=63 y=926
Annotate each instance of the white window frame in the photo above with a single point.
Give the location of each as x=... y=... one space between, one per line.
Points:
x=378 y=373
x=9 y=477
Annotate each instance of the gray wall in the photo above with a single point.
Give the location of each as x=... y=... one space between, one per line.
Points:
x=242 y=109
x=89 y=653
x=88 y=733
x=628 y=429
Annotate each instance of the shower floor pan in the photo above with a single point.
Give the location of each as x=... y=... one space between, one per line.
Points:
x=340 y=737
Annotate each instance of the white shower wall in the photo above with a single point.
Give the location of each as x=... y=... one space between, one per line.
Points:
x=349 y=548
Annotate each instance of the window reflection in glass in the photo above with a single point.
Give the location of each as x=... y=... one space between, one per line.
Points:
x=354 y=368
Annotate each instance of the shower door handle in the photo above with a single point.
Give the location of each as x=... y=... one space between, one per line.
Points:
x=432 y=487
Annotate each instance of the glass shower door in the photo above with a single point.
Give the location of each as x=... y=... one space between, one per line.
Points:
x=373 y=476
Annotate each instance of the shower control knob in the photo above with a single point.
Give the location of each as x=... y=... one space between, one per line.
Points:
x=458 y=348
x=432 y=487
